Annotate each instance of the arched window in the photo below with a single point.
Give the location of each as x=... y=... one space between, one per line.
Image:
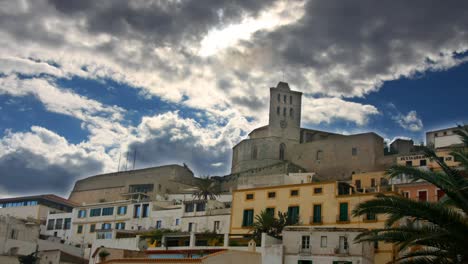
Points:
x=284 y=111
x=290 y=99
x=254 y=152
x=279 y=98
x=278 y=110
x=291 y=113
x=284 y=98
x=319 y=155
x=282 y=151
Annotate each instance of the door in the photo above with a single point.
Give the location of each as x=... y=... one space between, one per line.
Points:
x=422 y=195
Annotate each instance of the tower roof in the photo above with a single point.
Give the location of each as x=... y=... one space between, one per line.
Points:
x=283 y=85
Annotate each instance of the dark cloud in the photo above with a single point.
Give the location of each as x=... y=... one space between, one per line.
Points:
x=348 y=43
x=251 y=102
x=161 y=21
x=23 y=172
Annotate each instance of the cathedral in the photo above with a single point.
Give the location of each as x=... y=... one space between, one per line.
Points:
x=328 y=155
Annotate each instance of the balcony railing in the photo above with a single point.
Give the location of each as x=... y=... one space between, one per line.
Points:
x=314 y=220
x=305 y=250
x=343 y=219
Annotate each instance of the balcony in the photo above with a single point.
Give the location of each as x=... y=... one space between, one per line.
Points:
x=316 y=220
x=341 y=251
x=343 y=219
x=305 y=250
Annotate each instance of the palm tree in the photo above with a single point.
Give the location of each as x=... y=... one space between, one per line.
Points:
x=426 y=232
x=266 y=222
x=206 y=188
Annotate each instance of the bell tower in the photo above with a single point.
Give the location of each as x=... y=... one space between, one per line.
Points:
x=285 y=112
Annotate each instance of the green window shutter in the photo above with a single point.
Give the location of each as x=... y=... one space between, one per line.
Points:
x=293 y=215
x=247 y=219
x=317 y=213
x=344 y=212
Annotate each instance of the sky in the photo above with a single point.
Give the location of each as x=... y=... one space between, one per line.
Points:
x=86 y=84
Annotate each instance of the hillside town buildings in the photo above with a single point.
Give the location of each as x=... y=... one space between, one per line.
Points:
x=315 y=177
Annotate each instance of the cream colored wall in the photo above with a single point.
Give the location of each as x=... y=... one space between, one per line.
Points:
x=328 y=199
x=449 y=160
x=366 y=178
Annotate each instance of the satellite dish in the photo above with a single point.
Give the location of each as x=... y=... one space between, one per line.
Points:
x=142 y=245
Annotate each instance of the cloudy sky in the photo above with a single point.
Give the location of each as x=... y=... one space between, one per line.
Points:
x=83 y=83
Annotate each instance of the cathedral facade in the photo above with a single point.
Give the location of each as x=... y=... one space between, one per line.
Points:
x=329 y=155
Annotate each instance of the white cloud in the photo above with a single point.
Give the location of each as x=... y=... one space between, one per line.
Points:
x=327 y=110
x=410 y=121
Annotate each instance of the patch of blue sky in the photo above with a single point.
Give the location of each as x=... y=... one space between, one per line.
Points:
x=438 y=97
x=21 y=113
x=110 y=92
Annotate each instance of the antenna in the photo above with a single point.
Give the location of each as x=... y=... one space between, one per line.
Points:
x=134 y=159
x=118 y=166
x=126 y=162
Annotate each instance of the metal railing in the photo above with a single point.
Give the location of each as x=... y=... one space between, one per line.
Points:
x=343 y=218
x=314 y=220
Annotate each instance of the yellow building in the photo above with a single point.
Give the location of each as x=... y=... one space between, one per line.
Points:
x=319 y=203
x=419 y=160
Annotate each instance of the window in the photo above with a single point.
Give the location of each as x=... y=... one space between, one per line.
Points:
x=284 y=98
x=279 y=98
x=290 y=99
x=319 y=155
x=358 y=184
x=81 y=213
x=291 y=113
x=270 y=211
x=189 y=207
x=190 y=227
x=354 y=151
x=372 y=182
x=282 y=150
x=216 y=226
x=248 y=217
x=14 y=234
x=67 y=224
x=343 y=216
x=406 y=194
x=294 y=192
x=440 y=194
x=254 y=152
x=318 y=190
x=409 y=163
x=317 y=218
x=271 y=194
x=284 y=111
x=79 y=229
x=122 y=210
x=108 y=211
x=92 y=228
x=136 y=211
x=158 y=224
x=201 y=207
x=423 y=162
x=305 y=242
x=293 y=215
x=95 y=212
x=323 y=241
x=140 y=188
x=177 y=221
x=445 y=133
x=376 y=244
x=301 y=261
x=120 y=226
x=371 y=217
x=145 y=210
x=249 y=196
x=59 y=224
x=106 y=226
x=50 y=224
x=278 y=110
x=343 y=246
x=422 y=195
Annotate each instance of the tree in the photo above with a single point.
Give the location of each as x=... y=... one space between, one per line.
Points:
x=266 y=222
x=206 y=188
x=28 y=259
x=426 y=232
